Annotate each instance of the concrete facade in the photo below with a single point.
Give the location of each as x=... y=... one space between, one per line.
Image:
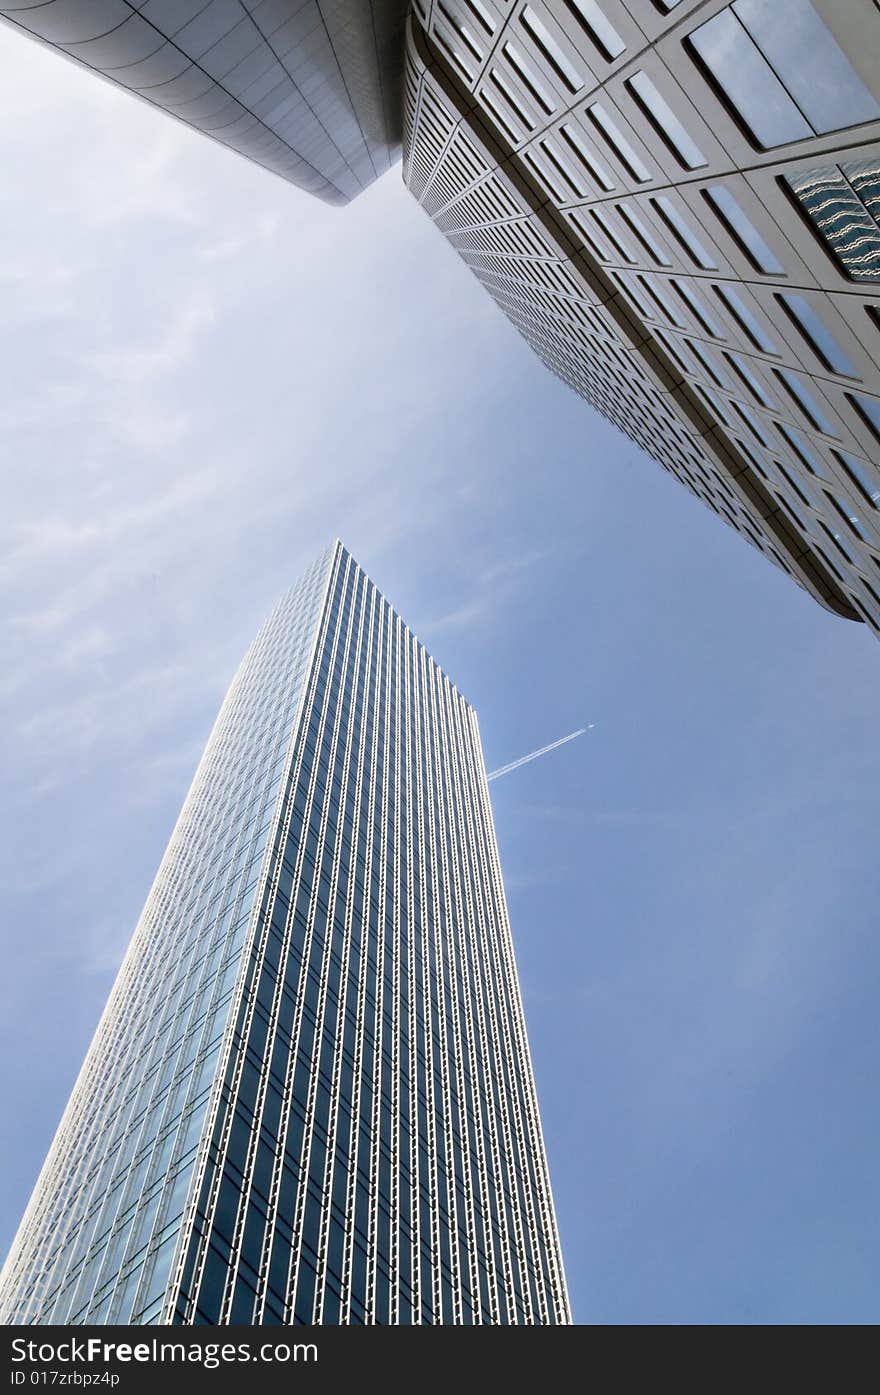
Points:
x=703 y=273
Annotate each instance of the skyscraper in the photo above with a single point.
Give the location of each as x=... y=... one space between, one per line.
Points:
x=676 y=202
x=310 y=1098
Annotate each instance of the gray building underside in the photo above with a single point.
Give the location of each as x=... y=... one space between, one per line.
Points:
x=309 y=89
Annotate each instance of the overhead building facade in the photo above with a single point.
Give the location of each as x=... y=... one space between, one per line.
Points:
x=676 y=202
x=309 y=89
x=678 y=205
x=310 y=1098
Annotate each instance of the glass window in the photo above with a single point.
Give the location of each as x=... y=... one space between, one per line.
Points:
x=665 y=121
x=798 y=486
x=563 y=168
x=698 y=308
x=817 y=334
x=868 y=409
x=500 y=121
x=551 y=50
x=748 y=323
x=852 y=519
x=842 y=202
x=859 y=474
x=599 y=27
x=590 y=162
x=709 y=363
x=801 y=450
x=462 y=30
x=480 y=12
x=742 y=230
x=618 y=142
x=655 y=290
x=529 y=78
x=621 y=246
x=748 y=379
x=782 y=71
x=683 y=232
x=753 y=423
x=810 y=63
x=644 y=234
x=747 y=80
x=805 y=400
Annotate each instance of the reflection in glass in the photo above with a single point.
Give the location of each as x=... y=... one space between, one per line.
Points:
x=748 y=81
x=843 y=204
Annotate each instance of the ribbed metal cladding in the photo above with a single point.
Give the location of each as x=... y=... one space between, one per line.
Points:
x=309 y=89
x=370 y=1147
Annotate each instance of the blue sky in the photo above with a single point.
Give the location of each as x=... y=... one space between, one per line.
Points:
x=206 y=375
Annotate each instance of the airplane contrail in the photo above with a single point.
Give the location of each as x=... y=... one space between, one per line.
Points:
x=533 y=755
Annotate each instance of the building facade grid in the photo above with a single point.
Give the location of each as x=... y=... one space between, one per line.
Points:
x=700 y=271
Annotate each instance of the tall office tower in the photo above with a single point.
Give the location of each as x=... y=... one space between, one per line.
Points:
x=310 y=89
x=309 y=1098
x=677 y=202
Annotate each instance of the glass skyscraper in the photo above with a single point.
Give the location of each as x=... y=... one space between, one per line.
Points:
x=310 y=1098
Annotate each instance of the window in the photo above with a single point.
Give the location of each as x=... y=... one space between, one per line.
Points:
x=842 y=203
x=801 y=450
x=748 y=379
x=604 y=222
x=618 y=143
x=665 y=121
x=753 y=423
x=858 y=472
x=644 y=235
x=781 y=71
x=684 y=234
x=551 y=50
x=654 y=289
x=462 y=31
x=455 y=54
x=599 y=27
x=805 y=401
x=816 y=334
x=851 y=519
x=594 y=167
x=563 y=168
x=698 y=309
x=838 y=542
x=868 y=409
x=501 y=121
x=748 y=323
x=709 y=364
x=798 y=486
x=743 y=232
x=479 y=11
x=529 y=78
